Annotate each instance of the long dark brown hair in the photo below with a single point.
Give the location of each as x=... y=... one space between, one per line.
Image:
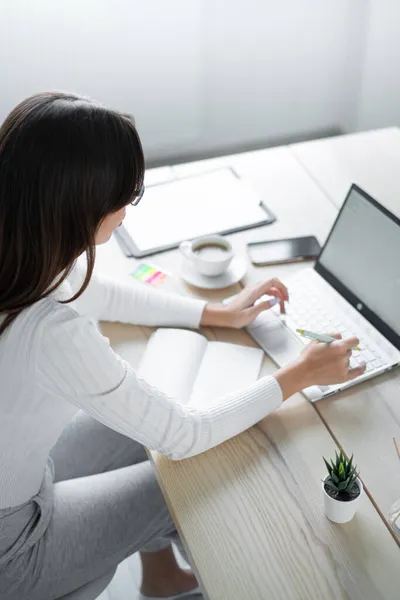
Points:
x=66 y=162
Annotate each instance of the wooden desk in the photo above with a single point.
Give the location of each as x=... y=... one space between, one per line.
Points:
x=363 y=419
x=250 y=511
x=370 y=159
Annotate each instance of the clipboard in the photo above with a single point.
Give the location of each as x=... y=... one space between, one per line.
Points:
x=217 y=201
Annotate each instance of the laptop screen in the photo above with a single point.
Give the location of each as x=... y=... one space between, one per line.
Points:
x=362 y=254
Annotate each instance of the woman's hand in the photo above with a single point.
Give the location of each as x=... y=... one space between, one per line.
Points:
x=241 y=310
x=319 y=364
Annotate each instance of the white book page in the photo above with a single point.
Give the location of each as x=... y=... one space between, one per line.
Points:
x=172 y=360
x=191 y=207
x=225 y=368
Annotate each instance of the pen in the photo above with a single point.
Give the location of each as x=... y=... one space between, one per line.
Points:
x=319 y=337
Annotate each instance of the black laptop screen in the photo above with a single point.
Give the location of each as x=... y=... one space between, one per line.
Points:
x=361 y=259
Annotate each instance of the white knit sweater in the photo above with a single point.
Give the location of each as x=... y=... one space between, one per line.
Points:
x=54 y=361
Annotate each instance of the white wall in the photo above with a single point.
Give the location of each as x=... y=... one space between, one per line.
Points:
x=379 y=94
x=139 y=56
x=277 y=69
x=199 y=75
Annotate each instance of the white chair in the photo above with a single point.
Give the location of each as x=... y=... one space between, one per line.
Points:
x=92 y=590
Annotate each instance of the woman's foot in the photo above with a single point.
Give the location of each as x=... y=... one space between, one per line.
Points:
x=162 y=577
x=180 y=582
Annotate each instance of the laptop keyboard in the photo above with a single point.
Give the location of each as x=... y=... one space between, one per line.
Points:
x=310 y=309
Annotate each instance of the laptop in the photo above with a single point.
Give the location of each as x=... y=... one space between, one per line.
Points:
x=353 y=289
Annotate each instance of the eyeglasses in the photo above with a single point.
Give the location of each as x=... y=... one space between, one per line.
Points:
x=139 y=196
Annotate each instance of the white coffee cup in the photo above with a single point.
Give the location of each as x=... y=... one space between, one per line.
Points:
x=210 y=255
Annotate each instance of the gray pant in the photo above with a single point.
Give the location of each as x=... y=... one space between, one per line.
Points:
x=106 y=505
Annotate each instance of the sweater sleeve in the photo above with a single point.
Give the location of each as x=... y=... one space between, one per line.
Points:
x=133 y=302
x=76 y=363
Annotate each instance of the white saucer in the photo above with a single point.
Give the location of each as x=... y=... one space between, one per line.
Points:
x=236 y=272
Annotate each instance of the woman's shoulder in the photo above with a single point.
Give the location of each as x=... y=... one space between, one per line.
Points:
x=45 y=329
x=47 y=312
x=47 y=321
x=63 y=336
x=57 y=321
x=73 y=357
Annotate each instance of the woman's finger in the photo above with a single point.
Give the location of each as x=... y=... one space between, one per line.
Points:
x=353 y=373
x=349 y=343
x=266 y=287
x=253 y=312
x=260 y=290
x=277 y=283
x=276 y=292
x=248 y=296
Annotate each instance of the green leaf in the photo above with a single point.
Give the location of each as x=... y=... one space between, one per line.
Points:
x=343 y=485
x=342 y=471
x=329 y=483
x=337 y=460
x=335 y=479
x=354 y=473
x=350 y=463
x=328 y=466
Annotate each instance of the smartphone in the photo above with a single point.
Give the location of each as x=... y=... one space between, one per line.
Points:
x=277 y=252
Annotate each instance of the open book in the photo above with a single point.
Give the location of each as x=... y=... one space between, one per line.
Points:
x=185 y=365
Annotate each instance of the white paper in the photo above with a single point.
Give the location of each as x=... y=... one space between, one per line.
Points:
x=158 y=176
x=225 y=369
x=171 y=361
x=184 y=365
x=192 y=207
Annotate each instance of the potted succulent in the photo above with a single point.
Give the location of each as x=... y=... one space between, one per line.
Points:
x=342 y=489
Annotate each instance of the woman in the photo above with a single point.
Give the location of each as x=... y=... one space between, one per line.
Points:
x=77 y=495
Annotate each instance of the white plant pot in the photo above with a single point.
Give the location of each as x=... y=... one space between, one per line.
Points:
x=338 y=511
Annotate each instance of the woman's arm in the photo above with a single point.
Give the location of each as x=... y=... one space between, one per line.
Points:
x=133 y=302
x=76 y=363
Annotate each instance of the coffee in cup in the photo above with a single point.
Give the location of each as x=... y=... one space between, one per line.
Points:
x=211 y=251
x=210 y=255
